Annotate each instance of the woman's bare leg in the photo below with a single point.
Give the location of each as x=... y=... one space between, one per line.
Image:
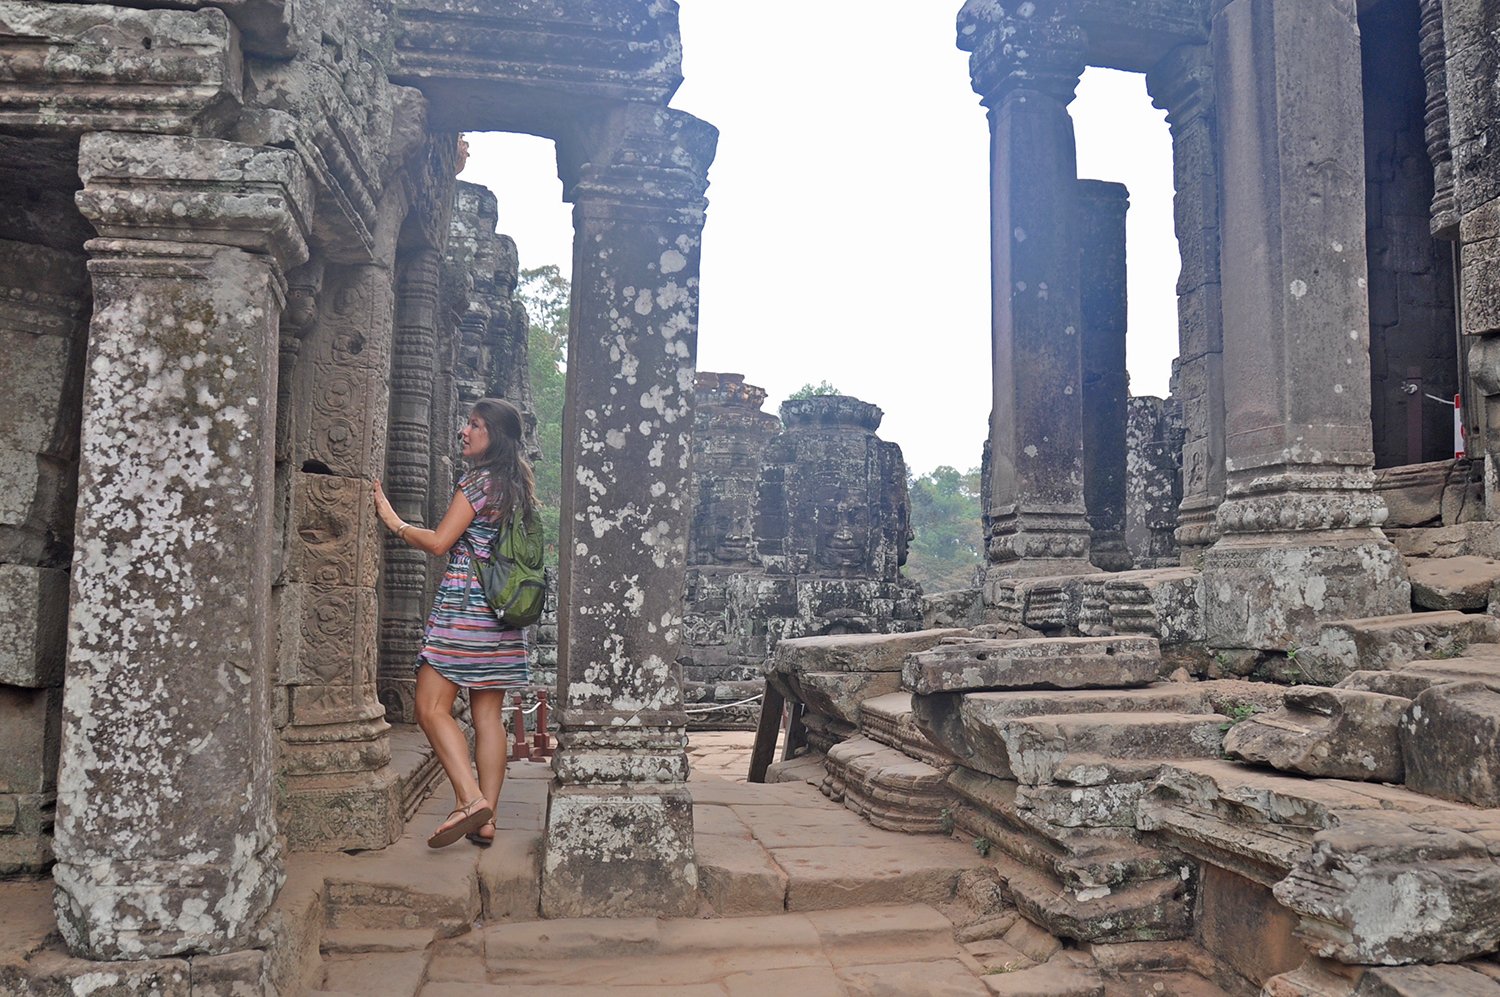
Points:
x=435 y=696
x=487 y=707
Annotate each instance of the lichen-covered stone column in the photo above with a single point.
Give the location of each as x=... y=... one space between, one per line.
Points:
x=1106 y=387
x=1182 y=85
x=620 y=821
x=1300 y=525
x=166 y=840
x=1025 y=65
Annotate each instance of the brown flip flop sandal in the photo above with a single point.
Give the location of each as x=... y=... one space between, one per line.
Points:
x=475 y=814
x=479 y=839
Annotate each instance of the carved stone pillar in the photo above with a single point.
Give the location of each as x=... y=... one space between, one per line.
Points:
x=1182 y=85
x=1106 y=387
x=1300 y=539
x=166 y=837
x=1434 y=56
x=407 y=475
x=339 y=789
x=1025 y=66
x=620 y=821
x=1469 y=31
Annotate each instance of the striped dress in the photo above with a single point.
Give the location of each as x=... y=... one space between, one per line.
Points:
x=464 y=642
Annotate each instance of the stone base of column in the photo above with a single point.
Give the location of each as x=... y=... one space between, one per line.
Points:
x=1197 y=529
x=1108 y=552
x=1032 y=545
x=327 y=813
x=1271 y=591
x=103 y=911
x=618 y=852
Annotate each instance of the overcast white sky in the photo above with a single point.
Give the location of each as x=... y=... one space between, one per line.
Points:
x=847 y=235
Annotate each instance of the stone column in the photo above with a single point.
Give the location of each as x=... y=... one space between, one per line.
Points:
x=1300 y=539
x=1434 y=55
x=1025 y=67
x=1469 y=31
x=407 y=475
x=166 y=839
x=339 y=790
x=1182 y=85
x=1106 y=386
x=620 y=821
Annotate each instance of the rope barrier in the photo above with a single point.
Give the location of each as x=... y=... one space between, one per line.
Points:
x=725 y=706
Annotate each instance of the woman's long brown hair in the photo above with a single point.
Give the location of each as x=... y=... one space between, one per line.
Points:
x=511 y=486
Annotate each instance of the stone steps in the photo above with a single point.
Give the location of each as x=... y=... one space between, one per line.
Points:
x=1386 y=642
x=1462 y=582
x=1035 y=750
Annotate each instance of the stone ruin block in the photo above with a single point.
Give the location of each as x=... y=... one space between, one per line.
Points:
x=1385 y=642
x=1165 y=603
x=887 y=788
x=1034 y=750
x=1153 y=480
x=959 y=608
x=1391 y=888
x=1328 y=733
x=962 y=665
x=30 y=729
x=889 y=720
x=33 y=626
x=1450 y=740
x=1460 y=583
x=834 y=674
x=1438 y=493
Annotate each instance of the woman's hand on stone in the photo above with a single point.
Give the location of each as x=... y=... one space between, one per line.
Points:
x=383 y=509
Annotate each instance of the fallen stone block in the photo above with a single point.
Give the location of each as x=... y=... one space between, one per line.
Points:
x=839 y=694
x=1032 y=749
x=1452 y=582
x=1038 y=663
x=1385 y=642
x=1450 y=741
x=1426 y=981
x=1480 y=538
x=890 y=790
x=854 y=652
x=1331 y=733
x=1387 y=889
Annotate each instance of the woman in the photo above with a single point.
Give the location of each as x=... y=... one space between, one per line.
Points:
x=464 y=644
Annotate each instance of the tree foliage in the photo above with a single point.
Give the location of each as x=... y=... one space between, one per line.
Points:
x=949 y=544
x=810 y=390
x=545 y=292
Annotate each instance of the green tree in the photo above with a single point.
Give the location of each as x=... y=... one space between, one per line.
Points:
x=545 y=293
x=949 y=544
x=810 y=390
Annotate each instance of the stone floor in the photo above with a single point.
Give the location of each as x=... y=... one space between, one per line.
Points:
x=799 y=895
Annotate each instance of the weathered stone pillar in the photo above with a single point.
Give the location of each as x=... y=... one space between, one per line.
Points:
x=1106 y=386
x=339 y=790
x=166 y=839
x=407 y=475
x=1300 y=524
x=1469 y=31
x=1434 y=56
x=620 y=821
x=1182 y=85
x=1025 y=66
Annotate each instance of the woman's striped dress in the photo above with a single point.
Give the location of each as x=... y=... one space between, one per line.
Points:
x=464 y=642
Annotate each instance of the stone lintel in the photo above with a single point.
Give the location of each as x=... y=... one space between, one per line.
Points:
x=1035 y=47
x=70 y=68
x=176 y=188
x=619 y=852
x=562 y=56
x=1041 y=663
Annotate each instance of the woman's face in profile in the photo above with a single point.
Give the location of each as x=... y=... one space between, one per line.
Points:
x=475 y=436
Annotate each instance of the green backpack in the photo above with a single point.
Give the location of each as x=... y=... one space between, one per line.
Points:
x=512 y=578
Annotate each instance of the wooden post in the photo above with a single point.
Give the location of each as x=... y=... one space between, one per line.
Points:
x=764 y=750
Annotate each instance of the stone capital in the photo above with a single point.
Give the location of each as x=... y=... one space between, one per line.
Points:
x=72 y=68
x=1035 y=46
x=647 y=156
x=1182 y=84
x=179 y=189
